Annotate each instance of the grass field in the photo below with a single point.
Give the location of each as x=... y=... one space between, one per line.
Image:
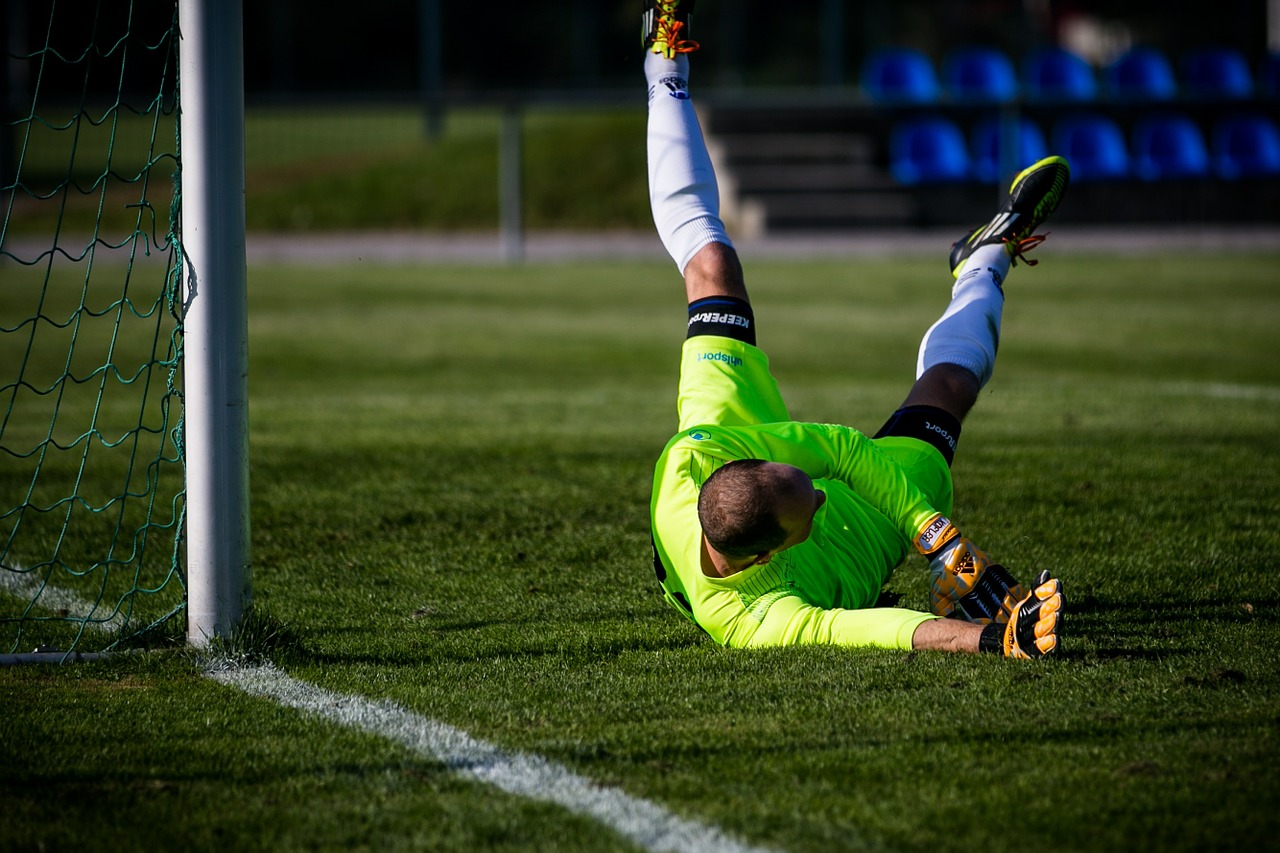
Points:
x=451 y=471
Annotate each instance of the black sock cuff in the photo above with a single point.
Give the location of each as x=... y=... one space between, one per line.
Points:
x=725 y=316
x=928 y=424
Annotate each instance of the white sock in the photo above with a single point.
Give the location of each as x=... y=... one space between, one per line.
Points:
x=968 y=333
x=683 y=193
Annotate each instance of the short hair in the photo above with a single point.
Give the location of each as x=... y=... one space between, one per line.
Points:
x=737 y=509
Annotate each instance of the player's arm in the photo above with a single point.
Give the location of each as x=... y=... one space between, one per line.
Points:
x=966 y=583
x=947 y=635
x=1031 y=633
x=835 y=452
x=791 y=621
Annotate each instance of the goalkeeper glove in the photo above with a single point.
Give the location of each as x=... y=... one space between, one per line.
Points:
x=1032 y=632
x=966 y=584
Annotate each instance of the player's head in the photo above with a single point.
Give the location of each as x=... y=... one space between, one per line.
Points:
x=751 y=509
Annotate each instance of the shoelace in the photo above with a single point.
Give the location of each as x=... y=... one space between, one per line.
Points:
x=668 y=31
x=1026 y=244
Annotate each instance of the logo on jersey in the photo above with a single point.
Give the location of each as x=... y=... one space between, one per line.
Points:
x=723 y=357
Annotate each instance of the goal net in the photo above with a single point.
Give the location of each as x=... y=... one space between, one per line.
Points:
x=92 y=495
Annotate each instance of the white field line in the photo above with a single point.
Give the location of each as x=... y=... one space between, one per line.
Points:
x=1222 y=391
x=646 y=824
x=27 y=585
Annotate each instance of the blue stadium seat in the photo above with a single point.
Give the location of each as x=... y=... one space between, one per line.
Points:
x=900 y=75
x=927 y=150
x=1216 y=72
x=1142 y=73
x=986 y=145
x=1057 y=74
x=979 y=74
x=1169 y=146
x=1246 y=146
x=1094 y=144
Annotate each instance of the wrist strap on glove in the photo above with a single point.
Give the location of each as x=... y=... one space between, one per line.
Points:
x=935 y=535
x=992 y=639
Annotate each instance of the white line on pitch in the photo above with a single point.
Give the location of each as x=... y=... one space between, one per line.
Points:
x=1222 y=390
x=21 y=583
x=649 y=825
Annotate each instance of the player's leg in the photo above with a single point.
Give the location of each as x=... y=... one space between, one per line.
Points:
x=724 y=378
x=683 y=193
x=957 y=354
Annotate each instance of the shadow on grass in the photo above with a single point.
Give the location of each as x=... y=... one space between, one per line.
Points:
x=1096 y=629
x=1156 y=630
x=1175 y=611
x=487 y=647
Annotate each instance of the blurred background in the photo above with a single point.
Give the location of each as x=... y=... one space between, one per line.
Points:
x=823 y=115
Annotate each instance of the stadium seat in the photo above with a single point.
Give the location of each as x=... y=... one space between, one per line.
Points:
x=1246 y=146
x=1142 y=73
x=1058 y=75
x=900 y=75
x=1094 y=144
x=1269 y=75
x=929 y=149
x=1216 y=72
x=987 y=145
x=1166 y=147
x=979 y=74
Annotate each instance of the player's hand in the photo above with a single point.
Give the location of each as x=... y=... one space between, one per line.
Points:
x=967 y=585
x=1033 y=630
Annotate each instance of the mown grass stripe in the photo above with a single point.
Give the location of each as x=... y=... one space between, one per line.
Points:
x=647 y=824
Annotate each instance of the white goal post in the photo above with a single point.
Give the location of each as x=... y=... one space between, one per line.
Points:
x=124 y=447
x=216 y=316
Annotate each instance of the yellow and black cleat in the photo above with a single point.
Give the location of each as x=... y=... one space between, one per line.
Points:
x=1033 y=197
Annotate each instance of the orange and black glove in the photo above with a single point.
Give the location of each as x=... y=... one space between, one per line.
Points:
x=1032 y=632
x=966 y=584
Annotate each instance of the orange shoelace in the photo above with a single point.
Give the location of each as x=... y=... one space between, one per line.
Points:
x=669 y=33
x=1026 y=244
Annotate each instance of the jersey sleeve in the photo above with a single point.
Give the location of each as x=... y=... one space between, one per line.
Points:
x=830 y=451
x=791 y=621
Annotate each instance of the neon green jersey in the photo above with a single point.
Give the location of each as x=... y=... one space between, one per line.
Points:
x=824 y=589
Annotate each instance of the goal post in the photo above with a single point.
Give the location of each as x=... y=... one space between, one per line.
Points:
x=216 y=316
x=123 y=326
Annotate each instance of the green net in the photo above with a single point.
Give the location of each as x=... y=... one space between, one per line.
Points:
x=91 y=474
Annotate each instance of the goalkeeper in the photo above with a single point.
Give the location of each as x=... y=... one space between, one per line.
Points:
x=772 y=532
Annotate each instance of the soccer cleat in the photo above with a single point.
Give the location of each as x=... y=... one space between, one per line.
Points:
x=664 y=26
x=1033 y=196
